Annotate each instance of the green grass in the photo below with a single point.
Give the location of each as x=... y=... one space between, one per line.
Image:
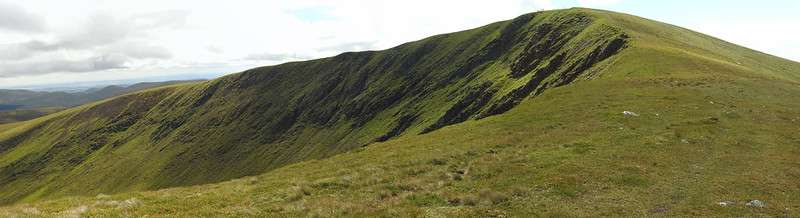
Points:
x=7 y=126
x=717 y=122
x=17 y=115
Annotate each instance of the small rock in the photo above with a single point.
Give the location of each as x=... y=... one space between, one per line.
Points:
x=659 y=209
x=756 y=203
x=130 y=202
x=31 y=210
x=726 y=203
x=630 y=114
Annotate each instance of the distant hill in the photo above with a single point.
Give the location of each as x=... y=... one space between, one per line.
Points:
x=14 y=99
x=17 y=115
x=20 y=105
x=564 y=113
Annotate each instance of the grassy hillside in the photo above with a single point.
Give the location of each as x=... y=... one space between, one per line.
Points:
x=714 y=122
x=261 y=119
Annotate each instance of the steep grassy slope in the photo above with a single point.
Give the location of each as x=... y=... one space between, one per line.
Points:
x=247 y=123
x=716 y=122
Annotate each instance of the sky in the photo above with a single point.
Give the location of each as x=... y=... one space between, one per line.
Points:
x=46 y=42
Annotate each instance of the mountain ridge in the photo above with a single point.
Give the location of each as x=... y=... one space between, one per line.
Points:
x=355 y=99
x=335 y=104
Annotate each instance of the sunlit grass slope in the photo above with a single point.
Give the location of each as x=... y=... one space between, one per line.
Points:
x=714 y=122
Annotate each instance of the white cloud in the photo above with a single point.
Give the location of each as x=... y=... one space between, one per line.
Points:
x=543 y=4
x=769 y=35
x=16 y=18
x=273 y=57
x=97 y=42
x=36 y=66
x=597 y=3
